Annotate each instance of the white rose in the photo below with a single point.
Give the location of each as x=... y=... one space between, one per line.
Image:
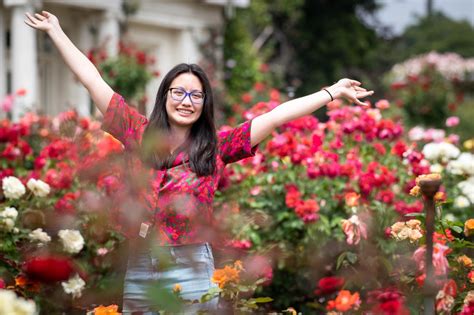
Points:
x=416 y=134
x=74 y=286
x=443 y=151
x=7 y=218
x=40 y=236
x=9 y=212
x=72 y=240
x=11 y=304
x=436 y=168
x=467 y=188
x=38 y=187
x=12 y=187
x=7 y=224
x=454 y=167
x=24 y=307
x=464 y=164
x=461 y=202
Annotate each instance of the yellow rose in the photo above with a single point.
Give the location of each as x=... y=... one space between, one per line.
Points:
x=465 y=261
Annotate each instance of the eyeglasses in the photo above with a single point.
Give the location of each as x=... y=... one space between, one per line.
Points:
x=179 y=94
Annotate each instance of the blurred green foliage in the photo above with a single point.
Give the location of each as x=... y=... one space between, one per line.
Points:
x=438 y=33
x=307 y=43
x=241 y=62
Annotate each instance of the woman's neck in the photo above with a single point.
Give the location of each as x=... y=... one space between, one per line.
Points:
x=177 y=137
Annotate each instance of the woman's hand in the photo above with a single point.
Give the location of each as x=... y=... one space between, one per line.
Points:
x=350 y=90
x=43 y=22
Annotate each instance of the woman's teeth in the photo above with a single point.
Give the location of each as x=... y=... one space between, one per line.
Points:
x=185 y=111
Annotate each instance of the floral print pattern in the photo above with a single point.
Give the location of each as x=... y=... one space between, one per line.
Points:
x=175 y=200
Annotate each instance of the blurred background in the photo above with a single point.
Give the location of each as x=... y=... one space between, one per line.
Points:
x=296 y=46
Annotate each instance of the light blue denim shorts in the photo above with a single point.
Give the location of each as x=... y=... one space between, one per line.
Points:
x=189 y=266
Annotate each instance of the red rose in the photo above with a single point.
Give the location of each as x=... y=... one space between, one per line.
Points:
x=48 y=269
x=328 y=285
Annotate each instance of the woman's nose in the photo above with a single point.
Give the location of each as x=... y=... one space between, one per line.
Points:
x=187 y=100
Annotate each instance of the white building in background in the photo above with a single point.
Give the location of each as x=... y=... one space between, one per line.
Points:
x=170 y=30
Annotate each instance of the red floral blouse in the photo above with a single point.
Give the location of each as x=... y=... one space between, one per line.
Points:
x=175 y=200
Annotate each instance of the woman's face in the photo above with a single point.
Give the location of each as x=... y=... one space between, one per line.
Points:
x=184 y=100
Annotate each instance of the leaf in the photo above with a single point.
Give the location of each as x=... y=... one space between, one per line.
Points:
x=243 y=288
x=340 y=260
x=351 y=257
x=416 y=214
x=457 y=229
x=262 y=300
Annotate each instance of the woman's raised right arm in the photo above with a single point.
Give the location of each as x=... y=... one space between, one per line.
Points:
x=79 y=64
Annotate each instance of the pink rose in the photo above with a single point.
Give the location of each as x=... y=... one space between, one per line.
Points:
x=452 y=121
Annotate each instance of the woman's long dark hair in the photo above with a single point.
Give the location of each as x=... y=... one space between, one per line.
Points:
x=201 y=144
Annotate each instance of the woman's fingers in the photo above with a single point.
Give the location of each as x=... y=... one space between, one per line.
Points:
x=32 y=18
x=358 y=102
x=39 y=17
x=355 y=82
x=362 y=95
x=358 y=88
x=30 y=24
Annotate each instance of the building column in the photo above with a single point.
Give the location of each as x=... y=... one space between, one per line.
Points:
x=24 y=63
x=109 y=32
x=81 y=95
x=189 y=46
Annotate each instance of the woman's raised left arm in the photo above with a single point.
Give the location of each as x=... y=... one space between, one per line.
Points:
x=263 y=125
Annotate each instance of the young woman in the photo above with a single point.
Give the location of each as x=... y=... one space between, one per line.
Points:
x=184 y=158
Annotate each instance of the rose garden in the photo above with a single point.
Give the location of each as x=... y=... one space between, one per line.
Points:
x=330 y=216
x=326 y=218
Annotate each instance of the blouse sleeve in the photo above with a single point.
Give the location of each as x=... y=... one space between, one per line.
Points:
x=234 y=144
x=123 y=122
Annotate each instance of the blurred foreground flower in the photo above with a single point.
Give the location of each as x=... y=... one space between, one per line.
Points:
x=10 y=304
x=354 y=230
x=105 y=310
x=344 y=301
x=72 y=241
x=38 y=187
x=48 y=269
x=74 y=286
x=328 y=285
x=227 y=275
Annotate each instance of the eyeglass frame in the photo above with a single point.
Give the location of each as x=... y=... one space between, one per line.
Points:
x=186 y=94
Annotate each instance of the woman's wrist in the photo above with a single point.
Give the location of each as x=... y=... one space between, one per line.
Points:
x=54 y=31
x=334 y=91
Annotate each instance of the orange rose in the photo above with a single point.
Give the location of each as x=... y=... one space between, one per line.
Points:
x=228 y=274
x=344 y=301
x=352 y=199
x=415 y=191
x=469 y=227
x=106 y=310
x=177 y=288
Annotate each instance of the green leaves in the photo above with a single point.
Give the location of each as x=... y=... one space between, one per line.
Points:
x=346 y=258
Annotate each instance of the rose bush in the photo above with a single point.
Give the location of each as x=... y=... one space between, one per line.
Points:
x=56 y=240
x=430 y=88
x=321 y=218
x=331 y=201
